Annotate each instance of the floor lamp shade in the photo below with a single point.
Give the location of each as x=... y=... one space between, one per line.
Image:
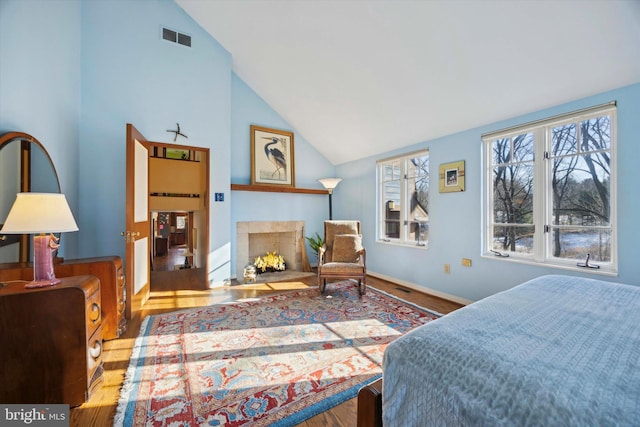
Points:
x=330 y=184
x=41 y=214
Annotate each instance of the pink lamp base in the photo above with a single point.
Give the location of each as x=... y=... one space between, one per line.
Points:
x=42 y=283
x=43 y=248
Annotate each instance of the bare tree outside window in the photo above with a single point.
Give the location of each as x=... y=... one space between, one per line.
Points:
x=404 y=193
x=418 y=188
x=556 y=208
x=581 y=189
x=513 y=193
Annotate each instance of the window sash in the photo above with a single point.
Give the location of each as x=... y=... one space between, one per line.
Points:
x=542 y=242
x=401 y=219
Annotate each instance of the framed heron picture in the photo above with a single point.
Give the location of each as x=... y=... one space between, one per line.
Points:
x=272 y=160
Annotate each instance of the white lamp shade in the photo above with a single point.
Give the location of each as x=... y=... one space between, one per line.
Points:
x=34 y=213
x=330 y=183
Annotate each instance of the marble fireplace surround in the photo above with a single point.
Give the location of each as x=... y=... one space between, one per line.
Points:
x=256 y=238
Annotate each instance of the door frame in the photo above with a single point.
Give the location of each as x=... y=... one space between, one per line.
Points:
x=206 y=153
x=134 y=302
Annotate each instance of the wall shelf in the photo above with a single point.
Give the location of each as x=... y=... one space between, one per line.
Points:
x=276 y=189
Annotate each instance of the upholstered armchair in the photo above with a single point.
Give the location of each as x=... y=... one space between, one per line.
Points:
x=342 y=255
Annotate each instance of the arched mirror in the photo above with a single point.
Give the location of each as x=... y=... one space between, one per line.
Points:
x=25 y=166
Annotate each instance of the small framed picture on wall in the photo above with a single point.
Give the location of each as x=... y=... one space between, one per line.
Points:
x=451 y=177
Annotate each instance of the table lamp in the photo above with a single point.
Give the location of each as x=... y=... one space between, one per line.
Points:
x=330 y=184
x=41 y=214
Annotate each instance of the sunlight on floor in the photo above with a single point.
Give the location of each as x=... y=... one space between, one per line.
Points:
x=271 y=286
x=250 y=360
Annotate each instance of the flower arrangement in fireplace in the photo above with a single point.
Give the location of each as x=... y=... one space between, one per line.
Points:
x=269 y=263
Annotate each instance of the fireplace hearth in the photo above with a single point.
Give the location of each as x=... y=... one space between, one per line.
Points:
x=256 y=238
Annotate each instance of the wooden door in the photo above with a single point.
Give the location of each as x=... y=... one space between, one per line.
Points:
x=137 y=232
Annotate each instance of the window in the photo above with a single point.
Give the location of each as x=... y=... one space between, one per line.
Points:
x=180 y=222
x=403 y=211
x=551 y=191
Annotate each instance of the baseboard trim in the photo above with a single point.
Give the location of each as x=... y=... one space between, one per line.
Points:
x=422 y=289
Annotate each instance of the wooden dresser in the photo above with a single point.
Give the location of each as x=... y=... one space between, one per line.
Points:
x=51 y=341
x=108 y=270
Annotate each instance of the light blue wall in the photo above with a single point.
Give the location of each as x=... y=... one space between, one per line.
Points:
x=247 y=108
x=107 y=66
x=131 y=75
x=455 y=218
x=74 y=73
x=40 y=85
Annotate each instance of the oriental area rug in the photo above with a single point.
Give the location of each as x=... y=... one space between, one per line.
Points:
x=277 y=360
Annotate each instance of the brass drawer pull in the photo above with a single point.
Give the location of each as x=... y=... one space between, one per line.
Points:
x=96 y=350
x=95 y=312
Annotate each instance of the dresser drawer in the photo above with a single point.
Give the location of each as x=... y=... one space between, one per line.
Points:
x=94 y=360
x=122 y=301
x=94 y=312
x=111 y=282
x=64 y=363
x=121 y=292
x=120 y=276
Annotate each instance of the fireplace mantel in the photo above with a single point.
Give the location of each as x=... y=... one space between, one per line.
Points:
x=277 y=189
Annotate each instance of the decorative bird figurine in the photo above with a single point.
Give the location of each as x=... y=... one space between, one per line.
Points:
x=275 y=156
x=177 y=132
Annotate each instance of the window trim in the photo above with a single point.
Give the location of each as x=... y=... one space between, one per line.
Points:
x=380 y=236
x=542 y=203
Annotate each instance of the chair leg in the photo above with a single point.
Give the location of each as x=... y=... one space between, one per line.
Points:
x=323 y=285
x=362 y=287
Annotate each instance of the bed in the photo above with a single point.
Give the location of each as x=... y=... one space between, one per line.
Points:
x=554 y=351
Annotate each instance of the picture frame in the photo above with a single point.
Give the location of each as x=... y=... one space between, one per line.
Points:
x=177 y=154
x=272 y=157
x=452 y=177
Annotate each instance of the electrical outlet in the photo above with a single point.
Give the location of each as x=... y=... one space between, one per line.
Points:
x=447 y=269
x=466 y=262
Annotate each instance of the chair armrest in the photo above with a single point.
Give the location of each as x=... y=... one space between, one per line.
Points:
x=362 y=253
x=321 y=252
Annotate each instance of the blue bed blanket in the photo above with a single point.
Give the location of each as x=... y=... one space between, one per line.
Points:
x=554 y=351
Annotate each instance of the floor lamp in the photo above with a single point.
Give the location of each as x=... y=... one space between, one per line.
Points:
x=40 y=214
x=330 y=184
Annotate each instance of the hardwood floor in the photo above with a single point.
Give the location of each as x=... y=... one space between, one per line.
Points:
x=101 y=408
x=168 y=262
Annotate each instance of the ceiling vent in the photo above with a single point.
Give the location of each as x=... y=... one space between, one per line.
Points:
x=176 y=37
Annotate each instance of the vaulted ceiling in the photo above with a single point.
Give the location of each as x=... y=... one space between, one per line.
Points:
x=357 y=78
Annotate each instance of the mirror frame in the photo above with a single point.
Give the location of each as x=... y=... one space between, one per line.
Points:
x=24 y=250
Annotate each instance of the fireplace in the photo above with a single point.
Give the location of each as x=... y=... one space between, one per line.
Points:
x=256 y=238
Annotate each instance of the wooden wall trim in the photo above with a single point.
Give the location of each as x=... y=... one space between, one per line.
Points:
x=276 y=189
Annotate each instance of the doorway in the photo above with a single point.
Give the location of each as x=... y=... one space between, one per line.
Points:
x=179 y=214
x=162 y=177
x=173 y=244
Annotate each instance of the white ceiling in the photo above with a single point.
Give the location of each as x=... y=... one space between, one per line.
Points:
x=360 y=77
